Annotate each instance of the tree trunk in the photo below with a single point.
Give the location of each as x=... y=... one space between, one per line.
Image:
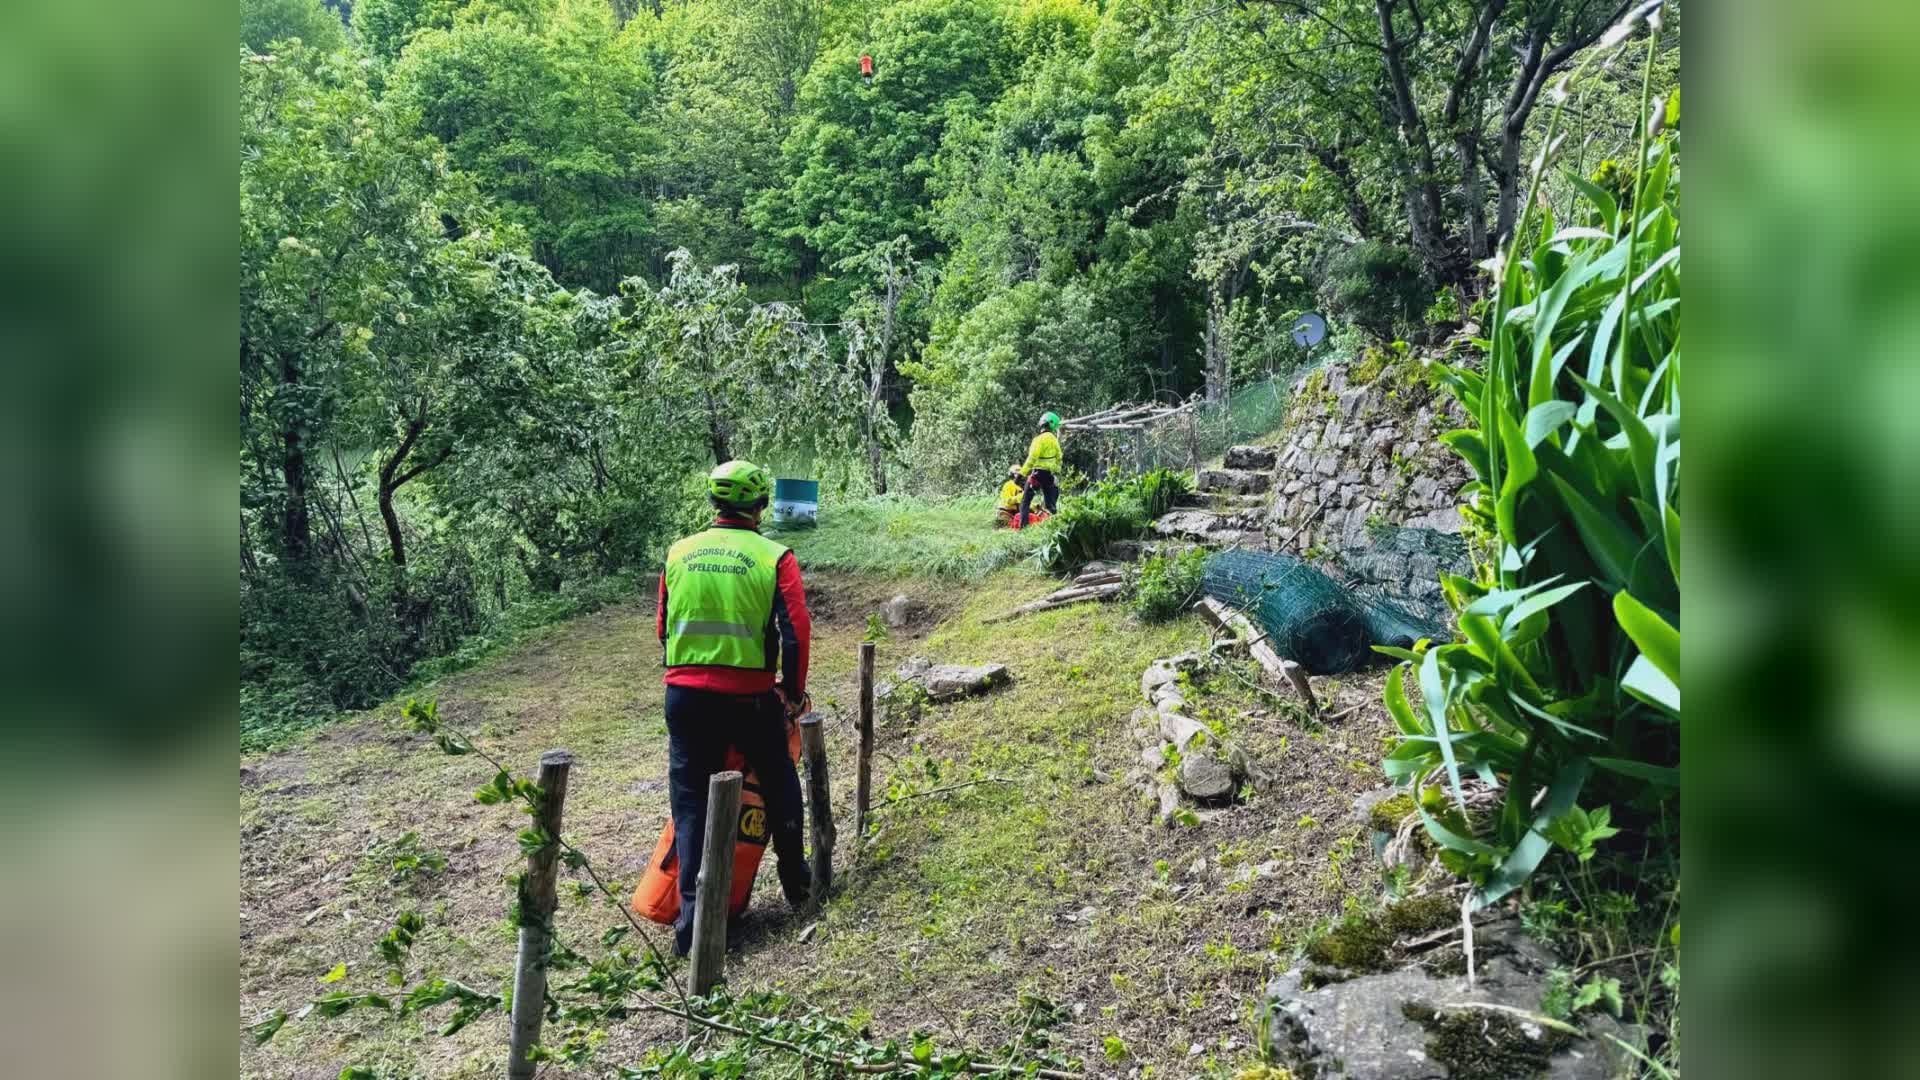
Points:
x=396 y=543
x=1513 y=127
x=1218 y=348
x=1334 y=160
x=717 y=438
x=1468 y=146
x=392 y=479
x=1466 y=132
x=249 y=567
x=1537 y=65
x=296 y=532
x=1424 y=213
x=877 y=379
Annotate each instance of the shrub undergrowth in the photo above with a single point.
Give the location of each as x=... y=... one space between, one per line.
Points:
x=1116 y=508
x=1166 y=584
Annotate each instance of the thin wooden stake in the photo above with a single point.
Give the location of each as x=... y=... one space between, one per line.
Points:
x=713 y=892
x=536 y=918
x=813 y=744
x=864 y=790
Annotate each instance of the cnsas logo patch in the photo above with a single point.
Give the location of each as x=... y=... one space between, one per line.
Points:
x=753 y=825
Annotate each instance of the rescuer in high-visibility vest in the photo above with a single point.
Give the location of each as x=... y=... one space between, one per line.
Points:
x=1042 y=468
x=732 y=612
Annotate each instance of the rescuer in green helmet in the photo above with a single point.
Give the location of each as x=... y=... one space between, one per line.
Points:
x=1043 y=465
x=732 y=612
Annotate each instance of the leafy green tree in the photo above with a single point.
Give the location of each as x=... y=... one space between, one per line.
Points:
x=1410 y=116
x=390 y=329
x=857 y=162
x=576 y=480
x=733 y=376
x=980 y=389
x=386 y=26
x=263 y=22
x=1078 y=175
x=549 y=116
x=340 y=203
x=878 y=325
x=342 y=238
x=723 y=113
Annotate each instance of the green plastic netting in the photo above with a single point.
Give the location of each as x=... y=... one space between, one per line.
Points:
x=1308 y=617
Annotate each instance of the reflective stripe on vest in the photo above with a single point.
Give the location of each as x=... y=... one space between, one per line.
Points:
x=720 y=597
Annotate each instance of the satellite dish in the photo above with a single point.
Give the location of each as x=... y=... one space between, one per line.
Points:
x=1309 y=330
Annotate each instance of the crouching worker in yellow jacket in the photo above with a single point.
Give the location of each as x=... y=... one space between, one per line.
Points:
x=1010 y=493
x=1042 y=466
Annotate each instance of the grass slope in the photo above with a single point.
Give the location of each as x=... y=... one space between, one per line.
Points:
x=952 y=538
x=1055 y=885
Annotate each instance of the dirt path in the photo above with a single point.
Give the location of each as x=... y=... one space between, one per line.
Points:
x=1151 y=941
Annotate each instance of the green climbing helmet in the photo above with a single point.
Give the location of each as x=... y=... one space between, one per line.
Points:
x=1050 y=421
x=740 y=484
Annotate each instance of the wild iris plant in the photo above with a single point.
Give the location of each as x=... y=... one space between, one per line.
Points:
x=1565 y=686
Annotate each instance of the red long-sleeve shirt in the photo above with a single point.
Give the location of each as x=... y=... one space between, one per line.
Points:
x=790 y=618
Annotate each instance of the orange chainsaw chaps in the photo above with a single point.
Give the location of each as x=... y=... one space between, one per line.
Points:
x=657 y=897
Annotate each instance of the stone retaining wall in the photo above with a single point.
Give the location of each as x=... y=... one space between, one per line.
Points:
x=1363 y=483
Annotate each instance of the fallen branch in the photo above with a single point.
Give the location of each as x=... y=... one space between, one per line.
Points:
x=1277 y=666
x=939 y=790
x=1099 y=577
x=1059 y=599
x=1544 y=1021
x=850 y=1065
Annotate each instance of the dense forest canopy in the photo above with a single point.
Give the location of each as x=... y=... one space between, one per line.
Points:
x=514 y=272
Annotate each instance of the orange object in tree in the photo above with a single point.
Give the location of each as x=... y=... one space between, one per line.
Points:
x=657 y=897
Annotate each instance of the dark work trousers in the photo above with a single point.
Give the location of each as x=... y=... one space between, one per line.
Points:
x=1043 y=481
x=701 y=724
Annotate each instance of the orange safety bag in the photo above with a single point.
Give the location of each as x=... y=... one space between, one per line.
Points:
x=657 y=897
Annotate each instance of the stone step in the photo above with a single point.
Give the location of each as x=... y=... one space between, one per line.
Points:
x=1236 y=481
x=1223 y=501
x=1207 y=528
x=1252 y=457
x=1190 y=524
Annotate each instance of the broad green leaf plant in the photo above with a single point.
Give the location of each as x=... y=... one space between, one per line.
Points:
x=1564 y=685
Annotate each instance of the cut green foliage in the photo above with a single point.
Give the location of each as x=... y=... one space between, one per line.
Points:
x=1564 y=998
x=1166 y=584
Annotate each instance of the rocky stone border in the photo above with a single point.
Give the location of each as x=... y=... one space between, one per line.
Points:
x=1206 y=771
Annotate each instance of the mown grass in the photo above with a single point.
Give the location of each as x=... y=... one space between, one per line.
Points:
x=899 y=535
x=1053 y=884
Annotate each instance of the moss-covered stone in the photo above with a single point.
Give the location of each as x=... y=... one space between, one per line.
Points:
x=1449 y=962
x=1421 y=914
x=1477 y=1044
x=1387 y=814
x=1357 y=943
x=1368 y=367
x=1315 y=977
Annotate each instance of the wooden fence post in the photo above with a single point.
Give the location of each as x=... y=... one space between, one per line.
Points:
x=713 y=892
x=864 y=795
x=537 y=904
x=813 y=743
